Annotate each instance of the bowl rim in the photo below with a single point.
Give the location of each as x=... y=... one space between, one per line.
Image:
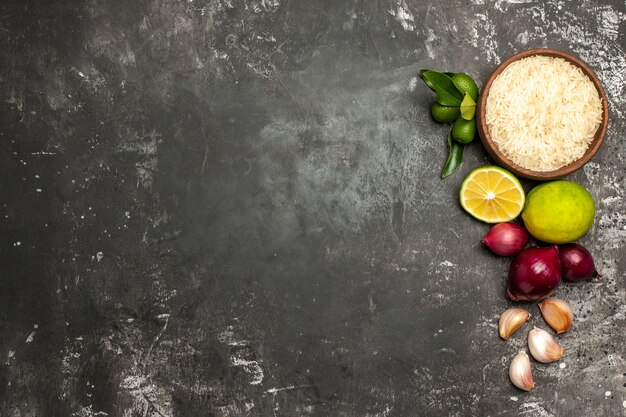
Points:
x=499 y=157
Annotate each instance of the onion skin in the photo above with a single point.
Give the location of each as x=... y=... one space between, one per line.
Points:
x=506 y=239
x=577 y=263
x=534 y=273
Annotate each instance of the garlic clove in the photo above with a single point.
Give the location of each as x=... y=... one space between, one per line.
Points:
x=520 y=372
x=543 y=347
x=557 y=313
x=511 y=320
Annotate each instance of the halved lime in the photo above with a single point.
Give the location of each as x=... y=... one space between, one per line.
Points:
x=492 y=194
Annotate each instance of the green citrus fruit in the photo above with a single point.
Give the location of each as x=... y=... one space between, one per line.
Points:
x=465 y=85
x=444 y=114
x=464 y=131
x=558 y=211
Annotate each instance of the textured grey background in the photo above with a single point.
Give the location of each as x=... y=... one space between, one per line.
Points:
x=229 y=208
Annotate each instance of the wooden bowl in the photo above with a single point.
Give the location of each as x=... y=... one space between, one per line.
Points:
x=502 y=160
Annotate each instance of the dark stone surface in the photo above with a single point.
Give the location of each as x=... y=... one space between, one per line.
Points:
x=229 y=208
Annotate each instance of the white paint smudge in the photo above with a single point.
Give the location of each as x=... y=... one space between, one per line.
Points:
x=287 y=388
x=145 y=145
x=88 y=412
x=612 y=199
x=43 y=153
x=609 y=21
x=240 y=356
x=484 y=37
x=484 y=321
x=70 y=365
x=599 y=50
x=146 y=395
x=534 y=409
x=99 y=256
x=227 y=335
x=249 y=405
x=607 y=394
x=90 y=76
x=403 y=15
x=499 y=2
x=430 y=50
x=31 y=337
x=591 y=170
x=252 y=368
x=352 y=16
x=262 y=6
x=523 y=38
x=613 y=226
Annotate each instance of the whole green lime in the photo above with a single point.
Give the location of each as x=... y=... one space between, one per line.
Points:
x=464 y=131
x=465 y=84
x=558 y=211
x=444 y=114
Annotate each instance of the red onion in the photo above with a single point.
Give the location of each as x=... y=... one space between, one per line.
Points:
x=534 y=273
x=577 y=262
x=506 y=239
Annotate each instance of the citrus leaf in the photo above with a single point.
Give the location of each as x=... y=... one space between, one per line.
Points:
x=447 y=93
x=455 y=157
x=428 y=83
x=468 y=107
x=422 y=71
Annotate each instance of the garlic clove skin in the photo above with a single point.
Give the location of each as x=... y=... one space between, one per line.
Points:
x=543 y=347
x=520 y=372
x=557 y=313
x=511 y=320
